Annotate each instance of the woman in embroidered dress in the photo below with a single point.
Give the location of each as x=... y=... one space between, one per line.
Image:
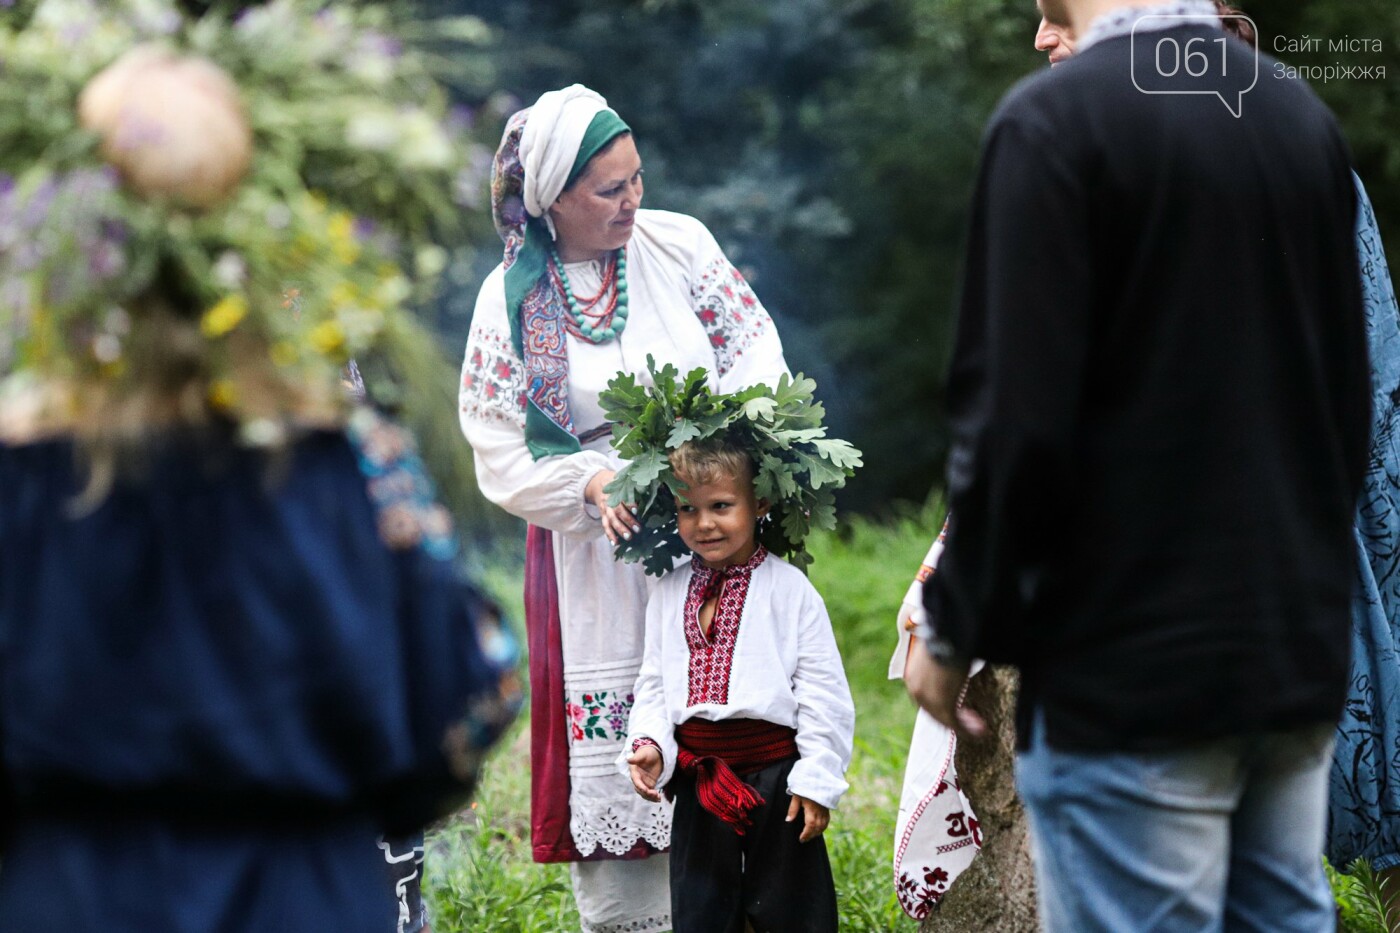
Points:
x=937 y=835
x=590 y=286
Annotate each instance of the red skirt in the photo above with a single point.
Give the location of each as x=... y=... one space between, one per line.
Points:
x=550 y=837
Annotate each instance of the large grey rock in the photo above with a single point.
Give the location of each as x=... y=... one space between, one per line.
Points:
x=997 y=894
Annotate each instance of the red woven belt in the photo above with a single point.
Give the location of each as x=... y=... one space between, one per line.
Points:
x=716 y=753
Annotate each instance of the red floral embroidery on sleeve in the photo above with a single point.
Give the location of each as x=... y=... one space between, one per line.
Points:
x=729 y=311
x=493 y=382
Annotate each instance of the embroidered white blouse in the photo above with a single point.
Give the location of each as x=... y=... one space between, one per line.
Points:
x=783 y=667
x=690 y=308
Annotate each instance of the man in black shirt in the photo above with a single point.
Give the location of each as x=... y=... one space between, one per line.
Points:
x=1159 y=398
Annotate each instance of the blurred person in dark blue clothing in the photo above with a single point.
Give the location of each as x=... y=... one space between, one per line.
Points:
x=236 y=651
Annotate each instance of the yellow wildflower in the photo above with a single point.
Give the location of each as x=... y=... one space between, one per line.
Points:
x=341 y=231
x=283 y=354
x=222 y=395
x=343 y=295
x=304 y=247
x=327 y=337
x=224 y=316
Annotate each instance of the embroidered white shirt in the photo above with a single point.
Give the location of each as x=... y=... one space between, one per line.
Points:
x=785 y=669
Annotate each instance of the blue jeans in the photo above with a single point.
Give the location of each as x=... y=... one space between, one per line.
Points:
x=1226 y=835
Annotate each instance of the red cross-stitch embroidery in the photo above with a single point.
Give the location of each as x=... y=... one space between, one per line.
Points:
x=712 y=657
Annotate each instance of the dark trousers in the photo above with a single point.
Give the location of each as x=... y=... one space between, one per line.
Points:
x=718 y=877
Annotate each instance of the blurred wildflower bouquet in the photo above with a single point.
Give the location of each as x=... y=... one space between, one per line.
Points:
x=797 y=468
x=262 y=195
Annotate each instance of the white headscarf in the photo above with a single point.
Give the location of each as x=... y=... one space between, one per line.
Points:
x=550 y=143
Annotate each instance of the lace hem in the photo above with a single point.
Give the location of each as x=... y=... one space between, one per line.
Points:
x=641 y=925
x=600 y=823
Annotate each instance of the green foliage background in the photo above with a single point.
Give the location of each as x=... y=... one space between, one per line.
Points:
x=831 y=145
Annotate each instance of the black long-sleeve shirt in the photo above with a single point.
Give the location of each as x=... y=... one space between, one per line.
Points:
x=1159 y=402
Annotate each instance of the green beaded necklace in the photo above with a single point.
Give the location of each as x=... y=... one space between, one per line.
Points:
x=595 y=333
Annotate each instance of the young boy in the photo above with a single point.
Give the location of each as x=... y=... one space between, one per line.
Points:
x=742 y=714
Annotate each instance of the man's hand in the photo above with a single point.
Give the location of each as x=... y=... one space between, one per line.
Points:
x=619 y=521
x=815 y=817
x=936 y=687
x=645 y=768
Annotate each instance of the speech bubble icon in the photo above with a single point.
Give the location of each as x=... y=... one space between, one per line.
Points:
x=1166 y=62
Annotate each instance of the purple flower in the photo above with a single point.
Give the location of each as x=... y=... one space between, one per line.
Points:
x=7 y=182
x=14 y=295
x=87 y=184
x=105 y=260
x=460 y=119
x=617 y=723
x=36 y=209
x=374 y=43
x=27 y=255
x=114 y=230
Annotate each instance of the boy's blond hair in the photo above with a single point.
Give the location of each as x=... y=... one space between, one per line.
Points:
x=709 y=460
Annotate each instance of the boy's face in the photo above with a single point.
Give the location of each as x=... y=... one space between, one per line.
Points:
x=718 y=520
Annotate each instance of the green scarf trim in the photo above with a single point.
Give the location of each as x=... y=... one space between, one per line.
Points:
x=544 y=436
x=605 y=127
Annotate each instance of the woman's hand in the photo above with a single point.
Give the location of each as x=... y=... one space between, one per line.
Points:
x=619 y=521
x=937 y=688
x=645 y=767
x=815 y=817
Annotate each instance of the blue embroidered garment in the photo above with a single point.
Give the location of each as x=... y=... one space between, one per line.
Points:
x=1364 y=798
x=222 y=684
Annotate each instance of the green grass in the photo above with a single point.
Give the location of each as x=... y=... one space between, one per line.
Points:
x=479 y=875
x=478 y=868
x=1360 y=894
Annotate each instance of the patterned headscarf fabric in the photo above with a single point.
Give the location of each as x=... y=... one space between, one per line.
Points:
x=544 y=148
